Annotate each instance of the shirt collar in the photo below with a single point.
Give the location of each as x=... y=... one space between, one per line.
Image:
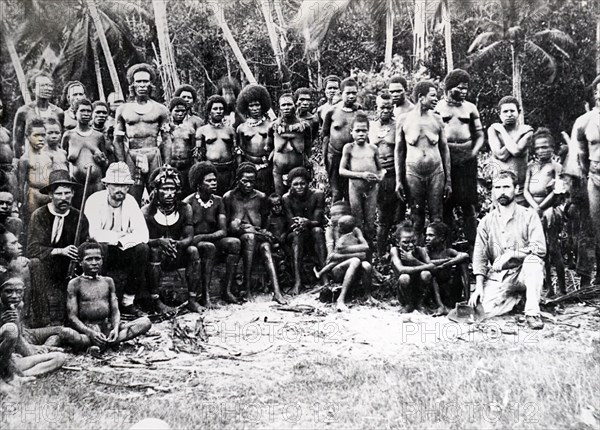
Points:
x=52 y=210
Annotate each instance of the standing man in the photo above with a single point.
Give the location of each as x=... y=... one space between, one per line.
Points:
x=336 y=133
x=141 y=121
x=215 y=142
x=7 y=154
x=183 y=142
x=247 y=211
x=190 y=95
x=332 y=88
x=422 y=159
x=253 y=103
x=51 y=248
x=509 y=255
x=464 y=134
x=290 y=139
x=72 y=93
x=304 y=109
x=398 y=88
x=509 y=142
x=118 y=224
x=40 y=108
x=382 y=133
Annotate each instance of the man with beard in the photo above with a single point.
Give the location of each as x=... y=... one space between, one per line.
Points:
x=117 y=223
x=398 y=88
x=141 y=121
x=100 y=123
x=290 y=140
x=210 y=232
x=40 y=108
x=332 y=88
x=509 y=143
x=72 y=93
x=509 y=255
x=382 y=133
x=7 y=154
x=51 y=248
x=336 y=133
x=183 y=138
x=422 y=158
x=229 y=89
x=190 y=95
x=451 y=271
x=254 y=102
x=215 y=142
x=304 y=105
x=464 y=134
x=170 y=228
x=305 y=213
x=247 y=211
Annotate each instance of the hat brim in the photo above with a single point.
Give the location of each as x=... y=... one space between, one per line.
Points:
x=477 y=316
x=104 y=181
x=47 y=188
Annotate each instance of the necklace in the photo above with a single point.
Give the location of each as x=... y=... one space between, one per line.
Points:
x=256 y=122
x=383 y=130
x=84 y=133
x=347 y=109
x=216 y=124
x=142 y=109
x=206 y=205
x=88 y=276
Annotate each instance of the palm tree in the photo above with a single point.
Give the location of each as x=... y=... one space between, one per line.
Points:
x=443 y=18
x=512 y=32
x=167 y=69
x=16 y=61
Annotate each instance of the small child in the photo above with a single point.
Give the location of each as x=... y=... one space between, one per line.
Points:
x=53 y=139
x=542 y=187
x=93 y=307
x=276 y=221
x=412 y=266
x=360 y=163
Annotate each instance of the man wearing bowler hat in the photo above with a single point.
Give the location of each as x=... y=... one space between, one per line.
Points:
x=117 y=223
x=51 y=248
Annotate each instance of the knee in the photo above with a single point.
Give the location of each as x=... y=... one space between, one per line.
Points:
x=232 y=245
x=248 y=238
x=141 y=250
x=317 y=231
x=144 y=324
x=404 y=280
x=207 y=249
x=265 y=247
x=155 y=255
x=426 y=276
x=366 y=266
x=67 y=333
x=355 y=263
x=59 y=358
x=9 y=332
x=192 y=253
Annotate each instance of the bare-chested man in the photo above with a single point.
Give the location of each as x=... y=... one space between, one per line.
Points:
x=247 y=211
x=141 y=121
x=254 y=102
x=72 y=93
x=464 y=134
x=190 y=95
x=586 y=137
x=7 y=155
x=398 y=87
x=332 y=89
x=210 y=231
x=216 y=142
x=304 y=109
x=8 y=216
x=85 y=147
x=422 y=158
x=291 y=141
x=34 y=168
x=509 y=142
x=336 y=133
x=183 y=140
x=305 y=213
x=53 y=146
x=43 y=86
x=93 y=306
x=382 y=133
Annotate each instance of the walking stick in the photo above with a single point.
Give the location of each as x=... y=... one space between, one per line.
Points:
x=73 y=263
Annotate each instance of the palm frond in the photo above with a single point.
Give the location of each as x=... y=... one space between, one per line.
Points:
x=555 y=36
x=545 y=57
x=486 y=53
x=314 y=18
x=483 y=40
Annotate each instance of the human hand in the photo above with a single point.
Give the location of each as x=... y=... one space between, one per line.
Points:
x=10 y=315
x=70 y=252
x=98 y=338
x=447 y=190
x=407 y=256
x=113 y=335
x=500 y=262
x=476 y=296
x=370 y=177
x=168 y=246
x=99 y=158
x=400 y=192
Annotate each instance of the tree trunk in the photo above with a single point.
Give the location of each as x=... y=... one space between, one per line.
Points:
x=114 y=76
x=98 y=70
x=420 y=33
x=389 y=33
x=16 y=62
x=219 y=16
x=447 y=36
x=167 y=69
x=273 y=37
x=598 y=44
x=516 y=78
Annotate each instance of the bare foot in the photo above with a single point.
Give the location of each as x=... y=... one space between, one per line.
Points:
x=296 y=289
x=341 y=307
x=279 y=299
x=442 y=310
x=205 y=301
x=228 y=297
x=194 y=306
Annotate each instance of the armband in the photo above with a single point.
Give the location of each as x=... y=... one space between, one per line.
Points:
x=119 y=133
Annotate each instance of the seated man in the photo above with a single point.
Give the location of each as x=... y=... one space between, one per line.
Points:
x=8 y=217
x=413 y=268
x=210 y=232
x=451 y=272
x=171 y=232
x=17 y=357
x=93 y=306
x=246 y=210
x=347 y=247
x=304 y=209
x=509 y=255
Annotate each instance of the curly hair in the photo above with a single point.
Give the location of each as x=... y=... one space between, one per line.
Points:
x=440 y=229
x=34 y=123
x=87 y=245
x=296 y=172
x=455 y=78
x=84 y=102
x=397 y=79
x=245 y=167
x=34 y=75
x=100 y=103
x=422 y=88
x=177 y=101
x=542 y=132
x=252 y=93
x=215 y=98
x=141 y=67
x=302 y=91
x=65 y=95
x=198 y=172
x=509 y=100
x=186 y=88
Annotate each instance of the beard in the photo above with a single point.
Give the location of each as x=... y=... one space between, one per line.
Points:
x=504 y=200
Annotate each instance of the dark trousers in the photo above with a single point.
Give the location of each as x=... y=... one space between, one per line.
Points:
x=132 y=261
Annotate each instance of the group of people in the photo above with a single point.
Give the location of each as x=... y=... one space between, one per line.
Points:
x=162 y=189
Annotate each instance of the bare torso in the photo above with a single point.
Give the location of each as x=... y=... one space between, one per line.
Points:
x=143 y=122
x=6 y=151
x=59 y=158
x=182 y=145
x=248 y=209
x=541 y=177
x=589 y=130
x=339 y=131
x=289 y=146
x=93 y=299
x=460 y=121
x=253 y=141
x=216 y=142
x=422 y=135
x=384 y=137
x=81 y=148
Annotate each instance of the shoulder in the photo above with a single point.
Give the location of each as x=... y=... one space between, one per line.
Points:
x=318 y=195
x=260 y=195
x=189 y=199
x=97 y=197
x=40 y=213
x=228 y=196
x=286 y=197
x=348 y=147
x=146 y=210
x=185 y=208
